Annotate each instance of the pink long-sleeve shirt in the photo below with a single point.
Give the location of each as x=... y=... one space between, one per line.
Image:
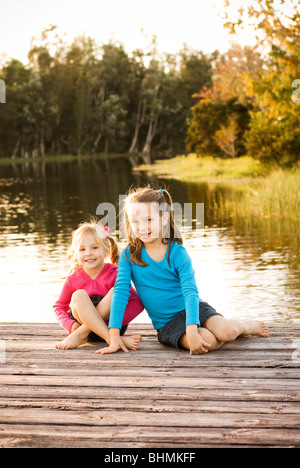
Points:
x=99 y=286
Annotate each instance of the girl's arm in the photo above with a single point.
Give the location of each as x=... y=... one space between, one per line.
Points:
x=191 y=299
x=118 y=305
x=189 y=287
x=62 y=305
x=121 y=293
x=134 y=307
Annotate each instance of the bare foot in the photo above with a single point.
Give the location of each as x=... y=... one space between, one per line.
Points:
x=132 y=342
x=255 y=329
x=77 y=338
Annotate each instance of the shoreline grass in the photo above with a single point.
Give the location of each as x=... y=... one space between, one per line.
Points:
x=263 y=192
x=193 y=168
x=5 y=161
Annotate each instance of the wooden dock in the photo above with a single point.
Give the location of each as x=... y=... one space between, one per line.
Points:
x=246 y=394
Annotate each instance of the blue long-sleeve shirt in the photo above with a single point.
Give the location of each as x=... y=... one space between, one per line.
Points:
x=164 y=289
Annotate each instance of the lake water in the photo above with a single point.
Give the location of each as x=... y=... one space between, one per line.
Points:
x=242 y=273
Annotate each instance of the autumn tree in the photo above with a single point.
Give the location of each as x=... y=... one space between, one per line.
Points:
x=226 y=136
x=222 y=112
x=274 y=130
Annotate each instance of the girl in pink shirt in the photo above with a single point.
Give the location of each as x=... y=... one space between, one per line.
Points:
x=84 y=303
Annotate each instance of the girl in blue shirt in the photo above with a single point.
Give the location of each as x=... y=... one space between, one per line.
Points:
x=161 y=270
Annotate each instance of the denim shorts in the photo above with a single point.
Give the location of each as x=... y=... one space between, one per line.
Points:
x=92 y=336
x=171 y=333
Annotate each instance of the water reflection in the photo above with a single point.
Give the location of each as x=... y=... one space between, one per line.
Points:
x=240 y=272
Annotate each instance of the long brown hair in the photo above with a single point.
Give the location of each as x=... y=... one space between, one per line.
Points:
x=101 y=237
x=164 y=200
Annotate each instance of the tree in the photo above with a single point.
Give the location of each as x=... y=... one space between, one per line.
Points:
x=215 y=124
x=275 y=120
x=196 y=72
x=12 y=116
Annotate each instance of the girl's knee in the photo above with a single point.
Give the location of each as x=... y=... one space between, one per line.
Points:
x=227 y=332
x=79 y=295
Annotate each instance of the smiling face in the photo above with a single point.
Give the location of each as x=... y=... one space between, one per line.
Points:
x=90 y=254
x=146 y=221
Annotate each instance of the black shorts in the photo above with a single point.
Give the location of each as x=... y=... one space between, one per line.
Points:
x=92 y=336
x=171 y=333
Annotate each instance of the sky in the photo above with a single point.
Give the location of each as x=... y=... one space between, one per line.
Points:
x=175 y=22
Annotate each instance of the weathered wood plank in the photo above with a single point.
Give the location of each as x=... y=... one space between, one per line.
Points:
x=139 y=418
x=55 y=369
x=148 y=382
x=90 y=436
x=154 y=405
x=184 y=394
x=280 y=397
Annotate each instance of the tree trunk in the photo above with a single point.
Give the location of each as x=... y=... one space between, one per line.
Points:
x=139 y=122
x=81 y=146
x=16 y=148
x=150 y=135
x=42 y=145
x=96 y=142
x=132 y=148
x=106 y=145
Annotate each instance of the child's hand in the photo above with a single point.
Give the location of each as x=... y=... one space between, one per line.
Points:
x=74 y=327
x=116 y=343
x=113 y=347
x=196 y=343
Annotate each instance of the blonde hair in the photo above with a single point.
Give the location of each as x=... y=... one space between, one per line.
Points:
x=165 y=203
x=101 y=236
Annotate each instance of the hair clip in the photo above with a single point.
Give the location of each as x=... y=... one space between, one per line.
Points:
x=106 y=229
x=161 y=191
